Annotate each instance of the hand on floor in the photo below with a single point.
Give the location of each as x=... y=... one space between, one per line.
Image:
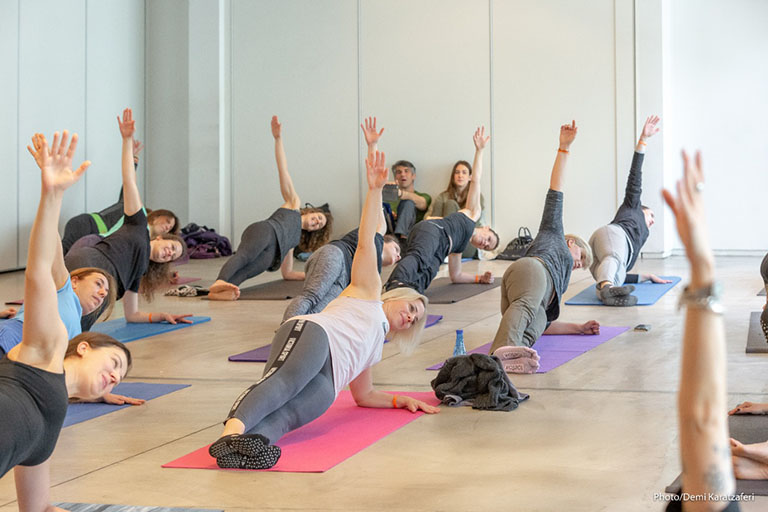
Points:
x=749 y=408
x=110 y=398
x=590 y=327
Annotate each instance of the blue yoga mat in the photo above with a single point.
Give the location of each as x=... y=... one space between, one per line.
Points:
x=647 y=293
x=125 y=332
x=77 y=413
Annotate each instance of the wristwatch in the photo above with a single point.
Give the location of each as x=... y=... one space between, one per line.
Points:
x=707 y=297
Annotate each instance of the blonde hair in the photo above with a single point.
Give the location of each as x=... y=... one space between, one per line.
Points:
x=408 y=339
x=586 y=250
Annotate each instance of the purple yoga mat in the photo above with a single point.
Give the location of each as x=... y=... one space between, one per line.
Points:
x=261 y=354
x=558 y=349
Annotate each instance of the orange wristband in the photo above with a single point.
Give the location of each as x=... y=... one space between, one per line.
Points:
x=477 y=278
x=641 y=142
x=394 y=401
x=562 y=150
x=150 y=318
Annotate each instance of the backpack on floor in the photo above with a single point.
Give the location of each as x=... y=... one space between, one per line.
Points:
x=517 y=248
x=204 y=243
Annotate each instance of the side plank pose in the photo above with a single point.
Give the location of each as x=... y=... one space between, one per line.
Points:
x=109 y=220
x=533 y=285
x=39 y=374
x=137 y=263
x=268 y=244
x=706 y=456
x=430 y=241
x=314 y=357
x=617 y=245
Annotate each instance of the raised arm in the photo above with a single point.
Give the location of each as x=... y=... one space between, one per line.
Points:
x=131 y=197
x=567 y=135
x=634 y=187
x=291 y=198
x=473 y=207
x=650 y=128
x=365 y=281
x=706 y=455
x=44 y=338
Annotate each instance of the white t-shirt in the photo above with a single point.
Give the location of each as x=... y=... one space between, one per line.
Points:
x=356 y=330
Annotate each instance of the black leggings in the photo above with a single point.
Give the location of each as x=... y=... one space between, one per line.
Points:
x=256 y=253
x=297 y=386
x=76 y=228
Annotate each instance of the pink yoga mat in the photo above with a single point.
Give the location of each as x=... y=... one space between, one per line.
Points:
x=185 y=280
x=341 y=432
x=261 y=354
x=17 y=302
x=557 y=349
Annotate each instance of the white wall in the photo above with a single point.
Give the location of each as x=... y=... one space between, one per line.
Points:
x=67 y=65
x=717 y=103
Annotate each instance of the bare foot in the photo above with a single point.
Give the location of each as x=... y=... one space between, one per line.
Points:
x=222 y=290
x=748 y=469
x=756 y=451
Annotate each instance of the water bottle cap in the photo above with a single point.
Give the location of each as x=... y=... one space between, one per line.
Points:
x=459 y=331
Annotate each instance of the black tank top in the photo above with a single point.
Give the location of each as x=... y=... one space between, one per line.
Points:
x=33 y=403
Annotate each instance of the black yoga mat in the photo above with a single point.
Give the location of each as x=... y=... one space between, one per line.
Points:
x=761 y=293
x=756 y=343
x=443 y=291
x=747 y=428
x=273 y=290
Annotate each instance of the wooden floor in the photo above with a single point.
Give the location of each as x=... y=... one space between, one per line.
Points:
x=598 y=433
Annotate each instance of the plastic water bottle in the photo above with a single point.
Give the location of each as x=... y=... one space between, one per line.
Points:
x=459 y=349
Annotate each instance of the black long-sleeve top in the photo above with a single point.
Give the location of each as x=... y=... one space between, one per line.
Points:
x=630 y=216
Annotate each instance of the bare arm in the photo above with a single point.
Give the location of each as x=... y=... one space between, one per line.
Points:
x=33 y=488
x=589 y=327
x=706 y=453
x=457 y=276
x=59 y=269
x=291 y=198
x=286 y=269
x=365 y=281
x=366 y=395
x=650 y=129
x=131 y=197
x=44 y=337
x=567 y=135
x=134 y=316
x=473 y=208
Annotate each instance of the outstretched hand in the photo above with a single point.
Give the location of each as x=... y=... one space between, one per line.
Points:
x=688 y=208
x=749 y=408
x=590 y=327
x=369 y=131
x=8 y=313
x=414 y=405
x=376 y=170
x=113 y=399
x=277 y=128
x=480 y=139
x=568 y=134
x=651 y=128
x=55 y=162
x=137 y=147
x=127 y=125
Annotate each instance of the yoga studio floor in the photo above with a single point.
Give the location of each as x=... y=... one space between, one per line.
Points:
x=598 y=434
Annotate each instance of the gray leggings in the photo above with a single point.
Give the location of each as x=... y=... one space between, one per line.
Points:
x=326 y=277
x=297 y=385
x=525 y=294
x=611 y=252
x=256 y=253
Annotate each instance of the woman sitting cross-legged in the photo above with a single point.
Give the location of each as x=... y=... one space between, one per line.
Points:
x=320 y=354
x=268 y=244
x=38 y=375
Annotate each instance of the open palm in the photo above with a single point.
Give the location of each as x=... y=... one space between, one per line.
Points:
x=376 y=170
x=651 y=128
x=56 y=162
x=127 y=125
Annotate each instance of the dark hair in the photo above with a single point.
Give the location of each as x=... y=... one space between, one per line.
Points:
x=311 y=241
x=158 y=275
x=389 y=238
x=97 y=340
x=644 y=207
x=453 y=192
x=154 y=214
x=109 y=301
x=404 y=163
x=497 y=238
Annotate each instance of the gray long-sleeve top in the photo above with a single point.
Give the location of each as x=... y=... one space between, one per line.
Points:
x=550 y=247
x=630 y=216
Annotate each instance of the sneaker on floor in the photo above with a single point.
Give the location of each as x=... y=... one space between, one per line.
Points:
x=508 y=353
x=520 y=365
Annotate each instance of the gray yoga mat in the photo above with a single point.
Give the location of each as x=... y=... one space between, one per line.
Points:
x=756 y=343
x=273 y=290
x=747 y=428
x=443 y=291
x=91 y=507
x=761 y=293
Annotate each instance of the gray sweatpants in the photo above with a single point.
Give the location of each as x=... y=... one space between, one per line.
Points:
x=326 y=277
x=611 y=252
x=525 y=293
x=297 y=385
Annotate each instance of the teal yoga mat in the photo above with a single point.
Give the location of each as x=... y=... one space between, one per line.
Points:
x=77 y=413
x=647 y=293
x=125 y=332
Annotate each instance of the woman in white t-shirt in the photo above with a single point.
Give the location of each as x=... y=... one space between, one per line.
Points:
x=315 y=356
